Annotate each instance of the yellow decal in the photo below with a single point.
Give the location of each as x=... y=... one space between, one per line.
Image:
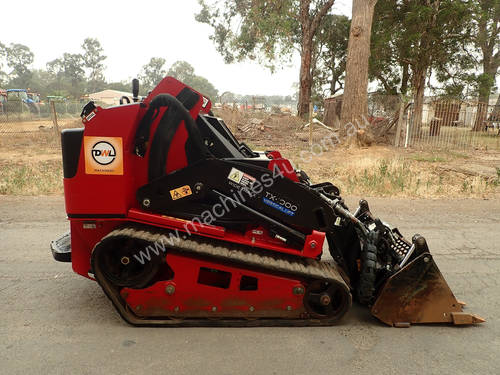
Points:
x=235 y=175
x=103 y=155
x=181 y=192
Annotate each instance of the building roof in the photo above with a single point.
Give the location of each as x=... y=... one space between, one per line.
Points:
x=110 y=97
x=110 y=94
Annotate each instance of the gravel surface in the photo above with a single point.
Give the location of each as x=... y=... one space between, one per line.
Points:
x=56 y=322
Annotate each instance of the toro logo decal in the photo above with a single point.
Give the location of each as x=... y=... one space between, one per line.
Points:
x=103 y=155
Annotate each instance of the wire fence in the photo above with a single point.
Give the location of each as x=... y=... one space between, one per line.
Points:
x=445 y=124
x=39 y=123
x=453 y=124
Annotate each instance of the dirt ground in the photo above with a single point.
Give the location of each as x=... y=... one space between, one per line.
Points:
x=56 y=322
x=44 y=123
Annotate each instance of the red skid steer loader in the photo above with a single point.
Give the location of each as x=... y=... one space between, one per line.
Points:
x=183 y=225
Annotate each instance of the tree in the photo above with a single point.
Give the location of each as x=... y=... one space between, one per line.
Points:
x=204 y=86
x=68 y=72
x=184 y=72
x=152 y=73
x=19 y=58
x=355 y=101
x=93 y=61
x=330 y=55
x=40 y=82
x=389 y=48
x=3 y=56
x=263 y=30
x=487 y=19
x=434 y=24
x=120 y=86
x=412 y=38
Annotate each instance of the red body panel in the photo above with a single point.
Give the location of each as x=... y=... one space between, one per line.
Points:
x=188 y=294
x=99 y=194
x=90 y=193
x=85 y=233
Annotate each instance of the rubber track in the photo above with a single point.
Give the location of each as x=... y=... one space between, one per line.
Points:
x=292 y=266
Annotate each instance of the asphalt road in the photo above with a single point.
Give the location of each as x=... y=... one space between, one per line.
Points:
x=53 y=321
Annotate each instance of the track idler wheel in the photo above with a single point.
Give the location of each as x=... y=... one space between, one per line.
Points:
x=326 y=300
x=116 y=259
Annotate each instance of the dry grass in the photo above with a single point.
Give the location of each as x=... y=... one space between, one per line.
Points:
x=385 y=171
x=30 y=163
x=35 y=178
x=460 y=137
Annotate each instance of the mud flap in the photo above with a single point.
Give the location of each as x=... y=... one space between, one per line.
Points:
x=418 y=293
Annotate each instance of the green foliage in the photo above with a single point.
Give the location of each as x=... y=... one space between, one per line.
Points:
x=262 y=30
x=411 y=36
x=68 y=73
x=3 y=63
x=64 y=76
x=93 y=60
x=486 y=15
x=330 y=56
x=267 y=31
x=119 y=86
x=184 y=72
x=152 y=73
x=72 y=75
x=19 y=58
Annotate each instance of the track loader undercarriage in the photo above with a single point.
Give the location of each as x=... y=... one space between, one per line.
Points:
x=183 y=225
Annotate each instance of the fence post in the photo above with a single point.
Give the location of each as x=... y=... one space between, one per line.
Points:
x=310 y=123
x=407 y=137
x=54 y=118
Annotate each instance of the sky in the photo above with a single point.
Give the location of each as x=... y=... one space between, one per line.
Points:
x=131 y=32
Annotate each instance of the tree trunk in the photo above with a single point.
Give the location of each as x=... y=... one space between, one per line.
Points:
x=484 y=95
x=418 y=101
x=309 y=25
x=333 y=84
x=421 y=65
x=481 y=112
x=488 y=41
x=305 y=79
x=404 y=79
x=495 y=116
x=355 y=101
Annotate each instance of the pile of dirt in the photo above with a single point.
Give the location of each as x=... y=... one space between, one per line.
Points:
x=262 y=129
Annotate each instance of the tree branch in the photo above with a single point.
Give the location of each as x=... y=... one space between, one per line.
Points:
x=304 y=15
x=319 y=16
x=384 y=82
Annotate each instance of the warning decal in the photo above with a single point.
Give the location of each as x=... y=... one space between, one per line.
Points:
x=181 y=192
x=103 y=155
x=241 y=178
